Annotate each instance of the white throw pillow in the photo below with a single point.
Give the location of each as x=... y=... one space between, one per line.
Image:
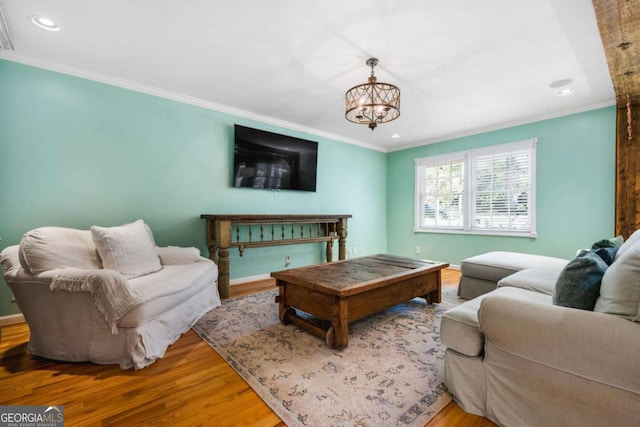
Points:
x=620 y=286
x=128 y=249
x=631 y=241
x=175 y=255
x=49 y=248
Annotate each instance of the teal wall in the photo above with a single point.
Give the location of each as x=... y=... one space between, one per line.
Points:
x=575 y=190
x=76 y=153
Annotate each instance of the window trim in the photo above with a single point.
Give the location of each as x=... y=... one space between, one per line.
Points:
x=467 y=157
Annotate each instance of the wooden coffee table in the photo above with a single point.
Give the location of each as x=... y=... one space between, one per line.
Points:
x=345 y=291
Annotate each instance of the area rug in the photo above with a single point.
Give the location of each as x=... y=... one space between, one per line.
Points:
x=391 y=374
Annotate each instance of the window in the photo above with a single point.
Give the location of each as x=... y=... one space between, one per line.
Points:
x=485 y=191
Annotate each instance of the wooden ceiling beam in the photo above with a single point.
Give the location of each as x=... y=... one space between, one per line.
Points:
x=619 y=24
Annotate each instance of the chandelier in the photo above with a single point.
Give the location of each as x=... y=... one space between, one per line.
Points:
x=372 y=102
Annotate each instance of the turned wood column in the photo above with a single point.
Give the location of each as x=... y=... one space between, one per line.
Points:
x=220 y=253
x=329 y=251
x=342 y=238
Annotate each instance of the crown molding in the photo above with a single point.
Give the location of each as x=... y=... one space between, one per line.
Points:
x=506 y=125
x=198 y=102
x=185 y=99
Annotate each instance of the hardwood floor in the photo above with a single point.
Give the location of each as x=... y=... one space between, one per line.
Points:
x=190 y=386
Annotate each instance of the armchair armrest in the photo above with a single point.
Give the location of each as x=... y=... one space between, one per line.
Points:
x=14 y=273
x=175 y=255
x=9 y=258
x=598 y=346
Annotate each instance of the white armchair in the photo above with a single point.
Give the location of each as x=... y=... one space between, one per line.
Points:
x=107 y=295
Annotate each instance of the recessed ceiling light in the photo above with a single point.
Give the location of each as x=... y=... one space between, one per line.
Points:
x=395 y=136
x=560 y=83
x=565 y=92
x=45 y=23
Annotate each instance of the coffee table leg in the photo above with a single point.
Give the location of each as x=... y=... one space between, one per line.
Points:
x=285 y=311
x=340 y=324
x=337 y=336
x=432 y=297
x=286 y=314
x=436 y=295
x=330 y=337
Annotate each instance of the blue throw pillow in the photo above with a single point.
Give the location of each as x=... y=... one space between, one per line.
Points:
x=578 y=285
x=608 y=255
x=614 y=242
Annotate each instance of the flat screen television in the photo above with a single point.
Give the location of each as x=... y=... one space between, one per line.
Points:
x=268 y=160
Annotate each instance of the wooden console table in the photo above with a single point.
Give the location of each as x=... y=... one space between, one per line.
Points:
x=256 y=231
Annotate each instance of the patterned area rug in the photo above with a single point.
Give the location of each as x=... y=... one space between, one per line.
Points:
x=390 y=374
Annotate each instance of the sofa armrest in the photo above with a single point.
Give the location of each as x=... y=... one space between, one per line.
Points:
x=175 y=255
x=597 y=346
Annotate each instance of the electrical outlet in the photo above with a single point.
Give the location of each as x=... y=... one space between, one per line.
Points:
x=418 y=250
x=287 y=259
x=355 y=250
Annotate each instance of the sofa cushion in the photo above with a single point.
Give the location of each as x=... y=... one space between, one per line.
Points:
x=497 y=265
x=127 y=249
x=578 y=285
x=459 y=328
x=620 y=288
x=50 y=248
x=533 y=279
x=168 y=288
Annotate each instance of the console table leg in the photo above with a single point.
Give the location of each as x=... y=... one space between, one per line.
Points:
x=223 y=272
x=342 y=239
x=330 y=251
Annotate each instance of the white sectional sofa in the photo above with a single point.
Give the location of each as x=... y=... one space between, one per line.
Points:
x=517 y=358
x=107 y=295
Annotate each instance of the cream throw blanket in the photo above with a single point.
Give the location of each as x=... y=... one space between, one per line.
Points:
x=111 y=292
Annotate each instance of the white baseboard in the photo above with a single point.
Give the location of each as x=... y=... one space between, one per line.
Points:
x=12 y=319
x=248 y=279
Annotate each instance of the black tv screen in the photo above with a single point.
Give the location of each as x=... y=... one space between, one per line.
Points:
x=268 y=160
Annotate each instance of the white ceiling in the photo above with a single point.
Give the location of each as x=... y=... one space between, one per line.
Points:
x=463 y=66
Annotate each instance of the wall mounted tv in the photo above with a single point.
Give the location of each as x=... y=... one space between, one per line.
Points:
x=267 y=160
